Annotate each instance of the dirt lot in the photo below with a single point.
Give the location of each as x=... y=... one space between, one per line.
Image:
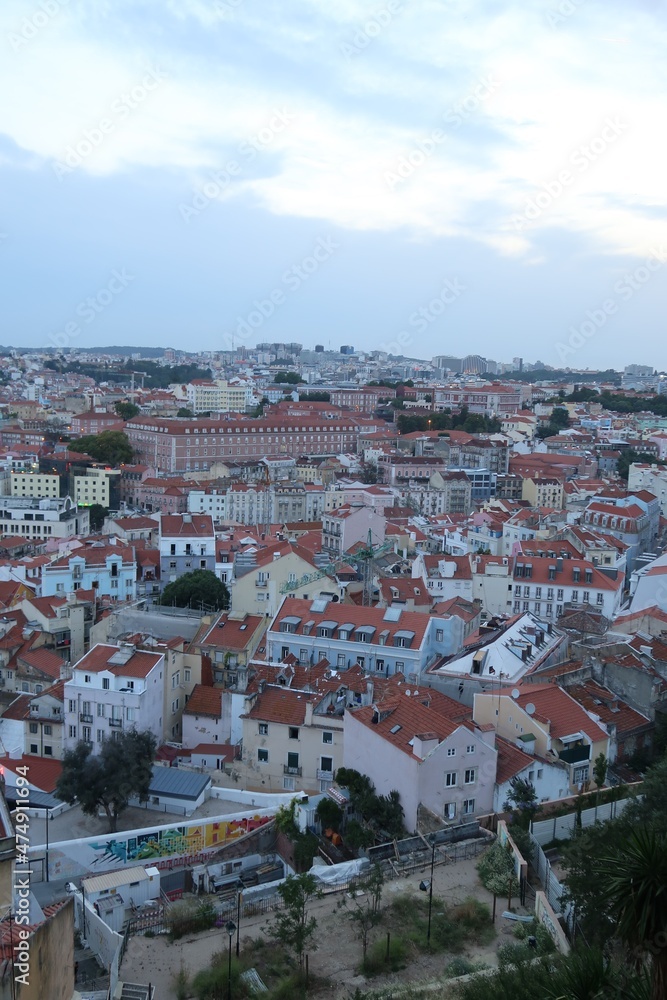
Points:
x=338 y=955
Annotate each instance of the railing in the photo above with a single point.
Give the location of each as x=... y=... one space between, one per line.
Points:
x=292 y=770
x=324 y=775
x=261 y=583
x=85 y=718
x=116 y=722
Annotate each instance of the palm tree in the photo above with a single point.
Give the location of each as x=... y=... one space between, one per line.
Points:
x=635 y=887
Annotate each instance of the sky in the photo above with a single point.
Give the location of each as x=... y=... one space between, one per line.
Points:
x=424 y=177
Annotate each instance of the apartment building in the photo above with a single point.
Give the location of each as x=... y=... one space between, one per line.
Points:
x=35 y=484
x=264 y=575
x=193 y=445
x=218 y=396
x=114 y=688
x=421 y=744
x=544 y=585
x=545 y=720
x=543 y=492
x=351 y=525
x=44 y=519
x=107 y=569
x=187 y=543
x=98 y=486
x=380 y=641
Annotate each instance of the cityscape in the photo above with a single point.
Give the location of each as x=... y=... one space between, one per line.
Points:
x=333 y=501
x=278 y=619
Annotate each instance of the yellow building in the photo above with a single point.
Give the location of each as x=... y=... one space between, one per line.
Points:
x=542 y=492
x=97 y=486
x=35 y=484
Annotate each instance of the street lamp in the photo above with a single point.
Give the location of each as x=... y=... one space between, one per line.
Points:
x=231 y=930
x=423 y=886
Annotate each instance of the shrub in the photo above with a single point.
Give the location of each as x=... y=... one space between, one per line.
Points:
x=459 y=967
x=376 y=958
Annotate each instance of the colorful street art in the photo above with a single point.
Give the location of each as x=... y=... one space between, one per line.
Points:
x=166 y=846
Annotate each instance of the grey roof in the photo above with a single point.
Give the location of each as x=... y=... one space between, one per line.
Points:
x=177 y=783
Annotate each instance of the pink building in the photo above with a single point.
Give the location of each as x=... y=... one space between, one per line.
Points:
x=424 y=745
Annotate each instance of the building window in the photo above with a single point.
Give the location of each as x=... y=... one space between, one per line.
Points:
x=48 y=730
x=263 y=729
x=293 y=732
x=72 y=732
x=451 y=751
x=33 y=748
x=48 y=751
x=188 y=674
x=470 y=748
x=87 y=678
x=470 y=776
x=439 y=635
x=327 y=737
x=468 y=807
x=263 y=755
x=580 y=775
x=105 y=683
x=326 y=764
x=33 y=727
x=450 y=779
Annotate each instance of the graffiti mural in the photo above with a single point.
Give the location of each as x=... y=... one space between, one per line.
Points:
x=166 y=846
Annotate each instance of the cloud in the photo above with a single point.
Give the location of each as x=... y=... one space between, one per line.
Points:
x=414 y=69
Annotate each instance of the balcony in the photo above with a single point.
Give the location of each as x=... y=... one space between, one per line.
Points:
x=116 y=722
x=261 y=583
x=85 y=718
x=324 y=775
x=292 y=770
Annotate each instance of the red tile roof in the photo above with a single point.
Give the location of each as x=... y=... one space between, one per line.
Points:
x=44 y=660
x=139 y=664
x=19 y=708
x=41 y=773
x=410 y=621
x=420 y=712
x=205 y=701
x=186 y=526
x=562 y=711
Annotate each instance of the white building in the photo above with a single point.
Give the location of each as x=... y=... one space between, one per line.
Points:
x=54 y=517
x=114 y=688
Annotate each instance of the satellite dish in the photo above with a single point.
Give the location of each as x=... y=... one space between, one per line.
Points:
x=407 y=691
x=530 y=708
x=515 y=693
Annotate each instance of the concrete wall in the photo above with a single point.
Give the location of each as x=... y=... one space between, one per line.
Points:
x=51 y=962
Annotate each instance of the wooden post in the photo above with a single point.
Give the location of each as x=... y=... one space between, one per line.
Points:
x=494 y=908
x=509 y=895
x=306 y=970
x=388 y=941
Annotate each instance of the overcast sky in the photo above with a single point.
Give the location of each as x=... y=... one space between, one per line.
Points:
x=422 y=177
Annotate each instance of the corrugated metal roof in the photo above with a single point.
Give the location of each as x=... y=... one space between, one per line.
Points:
x=113 y=880
x=176 y=783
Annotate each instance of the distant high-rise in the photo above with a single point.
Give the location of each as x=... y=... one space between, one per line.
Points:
x=639 y=369
x=474 y=363
x=448 y=361
x=347 y=349
x=319 y=348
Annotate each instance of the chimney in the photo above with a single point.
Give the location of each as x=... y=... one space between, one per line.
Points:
x=308 y=717
x=559 y=565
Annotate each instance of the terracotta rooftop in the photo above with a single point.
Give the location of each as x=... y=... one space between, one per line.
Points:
x=205 y=701
x=139 y=664
x=565 y=715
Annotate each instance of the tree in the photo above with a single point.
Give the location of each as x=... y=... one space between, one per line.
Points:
x=585 y=892
x=362 y=901
x=201 y=587
x=292 y=926
x=634 y=880
x=184 y=413
x=368 y=471
x=290 y=378
x=122 y=770
x=126 y=410
x=97 y=514
x=329 y=814
x=496 y=869
x=522 y=799
x=651 y=808
x=600 y=765
x=111 y=447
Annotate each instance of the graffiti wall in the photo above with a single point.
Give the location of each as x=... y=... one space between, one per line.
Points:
x=162 y=846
